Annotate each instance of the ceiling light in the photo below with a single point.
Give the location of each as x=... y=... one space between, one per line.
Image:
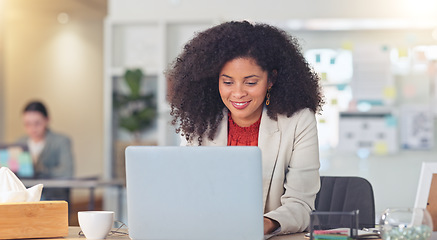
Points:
x=63 y=18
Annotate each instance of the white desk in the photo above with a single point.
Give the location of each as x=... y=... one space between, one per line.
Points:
x=73 y=234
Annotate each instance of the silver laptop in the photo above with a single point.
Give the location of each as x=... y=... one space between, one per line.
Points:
x=194 y=192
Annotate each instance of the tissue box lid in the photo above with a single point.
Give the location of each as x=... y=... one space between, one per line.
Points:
x=33 y=219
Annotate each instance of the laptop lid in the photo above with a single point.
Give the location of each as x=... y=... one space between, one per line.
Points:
x=194 y=192
x=17 y=158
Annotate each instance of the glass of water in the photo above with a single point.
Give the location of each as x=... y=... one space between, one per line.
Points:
x=406 y=224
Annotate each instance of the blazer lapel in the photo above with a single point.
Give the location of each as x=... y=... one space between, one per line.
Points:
x=268 y=141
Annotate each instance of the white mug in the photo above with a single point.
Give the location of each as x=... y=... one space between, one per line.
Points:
x=95 y=224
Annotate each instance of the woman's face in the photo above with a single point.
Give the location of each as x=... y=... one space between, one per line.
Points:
x=243 y=86
x=35 y=125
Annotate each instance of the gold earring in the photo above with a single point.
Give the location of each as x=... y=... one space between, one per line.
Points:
x=268 y=96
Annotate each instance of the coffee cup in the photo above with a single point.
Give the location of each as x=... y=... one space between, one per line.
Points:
x=95 y=224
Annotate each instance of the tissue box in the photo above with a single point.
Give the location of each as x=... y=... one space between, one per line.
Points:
x=33 y=219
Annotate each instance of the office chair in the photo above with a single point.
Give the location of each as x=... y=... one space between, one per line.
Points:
x=345 y=194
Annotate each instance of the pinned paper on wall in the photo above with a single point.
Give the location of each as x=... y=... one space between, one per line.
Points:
x=390 y=92
x=380 y=148
x=409 y=90
x=371 y=72
x=391 y=121
x=323 y=76
x=335 y=63
x=334 y=101
x=420 y=56
x=347 y=45
x=332 y=61
x=318 y=58
x=341 y=87
x=401 y=61
x=417 y=127
x=402 y=52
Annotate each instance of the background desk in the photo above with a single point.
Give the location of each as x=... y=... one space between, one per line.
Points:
x=73 y=234
x=90 y=183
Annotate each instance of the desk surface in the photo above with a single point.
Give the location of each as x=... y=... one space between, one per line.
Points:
x=73 y=234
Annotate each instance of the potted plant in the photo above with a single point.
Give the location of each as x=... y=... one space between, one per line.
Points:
x=136 y=110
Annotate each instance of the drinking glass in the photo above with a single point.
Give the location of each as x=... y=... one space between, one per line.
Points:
x=406 y=224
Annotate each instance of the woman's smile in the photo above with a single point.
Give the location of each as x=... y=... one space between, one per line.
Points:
x=240 y=105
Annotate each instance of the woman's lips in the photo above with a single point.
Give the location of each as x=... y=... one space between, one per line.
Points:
x=240 y=105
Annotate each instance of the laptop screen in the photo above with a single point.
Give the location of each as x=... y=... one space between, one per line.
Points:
x=194 y=192
x=17 y=158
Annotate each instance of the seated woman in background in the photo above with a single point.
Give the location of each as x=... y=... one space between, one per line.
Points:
x=51 y=152
x=248 y=84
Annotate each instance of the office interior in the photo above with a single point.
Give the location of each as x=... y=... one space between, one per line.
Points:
x=377 y=61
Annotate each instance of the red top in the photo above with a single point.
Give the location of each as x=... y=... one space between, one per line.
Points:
x=242 y=136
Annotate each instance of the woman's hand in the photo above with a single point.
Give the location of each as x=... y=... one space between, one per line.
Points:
x=270 y=225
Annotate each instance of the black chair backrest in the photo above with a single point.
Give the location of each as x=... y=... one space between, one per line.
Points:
x=345 y=194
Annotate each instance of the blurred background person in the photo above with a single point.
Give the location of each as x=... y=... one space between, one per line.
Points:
x=51 y=152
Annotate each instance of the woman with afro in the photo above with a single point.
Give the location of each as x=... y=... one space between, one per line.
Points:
x=247 y=84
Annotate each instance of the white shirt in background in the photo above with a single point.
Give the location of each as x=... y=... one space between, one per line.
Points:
x=35 y=149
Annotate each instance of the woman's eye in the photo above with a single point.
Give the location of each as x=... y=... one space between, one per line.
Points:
x=227 y=82
x=251 y=83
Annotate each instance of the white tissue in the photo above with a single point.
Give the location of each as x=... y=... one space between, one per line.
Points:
x=13 y=190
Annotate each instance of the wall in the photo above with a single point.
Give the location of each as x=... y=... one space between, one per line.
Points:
x=60 y=64
x=394 y=176
x=2 y=22
x=269 y=10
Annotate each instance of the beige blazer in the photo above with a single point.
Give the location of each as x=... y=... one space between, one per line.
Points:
x=290 y=159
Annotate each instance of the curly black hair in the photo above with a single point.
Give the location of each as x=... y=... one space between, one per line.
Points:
x=194 y=95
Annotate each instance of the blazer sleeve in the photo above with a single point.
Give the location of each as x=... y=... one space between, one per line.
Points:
x=56 y=160
x=301 y=182
x=65 y=168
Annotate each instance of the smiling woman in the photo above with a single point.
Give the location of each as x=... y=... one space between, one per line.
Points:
x=243 y=84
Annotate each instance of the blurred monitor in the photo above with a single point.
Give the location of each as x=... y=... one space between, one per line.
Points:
x=17 y=158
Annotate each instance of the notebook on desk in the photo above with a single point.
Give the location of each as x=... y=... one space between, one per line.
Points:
x=17 y=158
x=194 y=192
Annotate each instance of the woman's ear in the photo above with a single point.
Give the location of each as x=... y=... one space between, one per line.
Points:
x=273 y=78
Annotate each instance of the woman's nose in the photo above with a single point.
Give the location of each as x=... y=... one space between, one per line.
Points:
x=239 y=91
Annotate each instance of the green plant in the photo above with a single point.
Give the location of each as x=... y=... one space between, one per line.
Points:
x=136 y=111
